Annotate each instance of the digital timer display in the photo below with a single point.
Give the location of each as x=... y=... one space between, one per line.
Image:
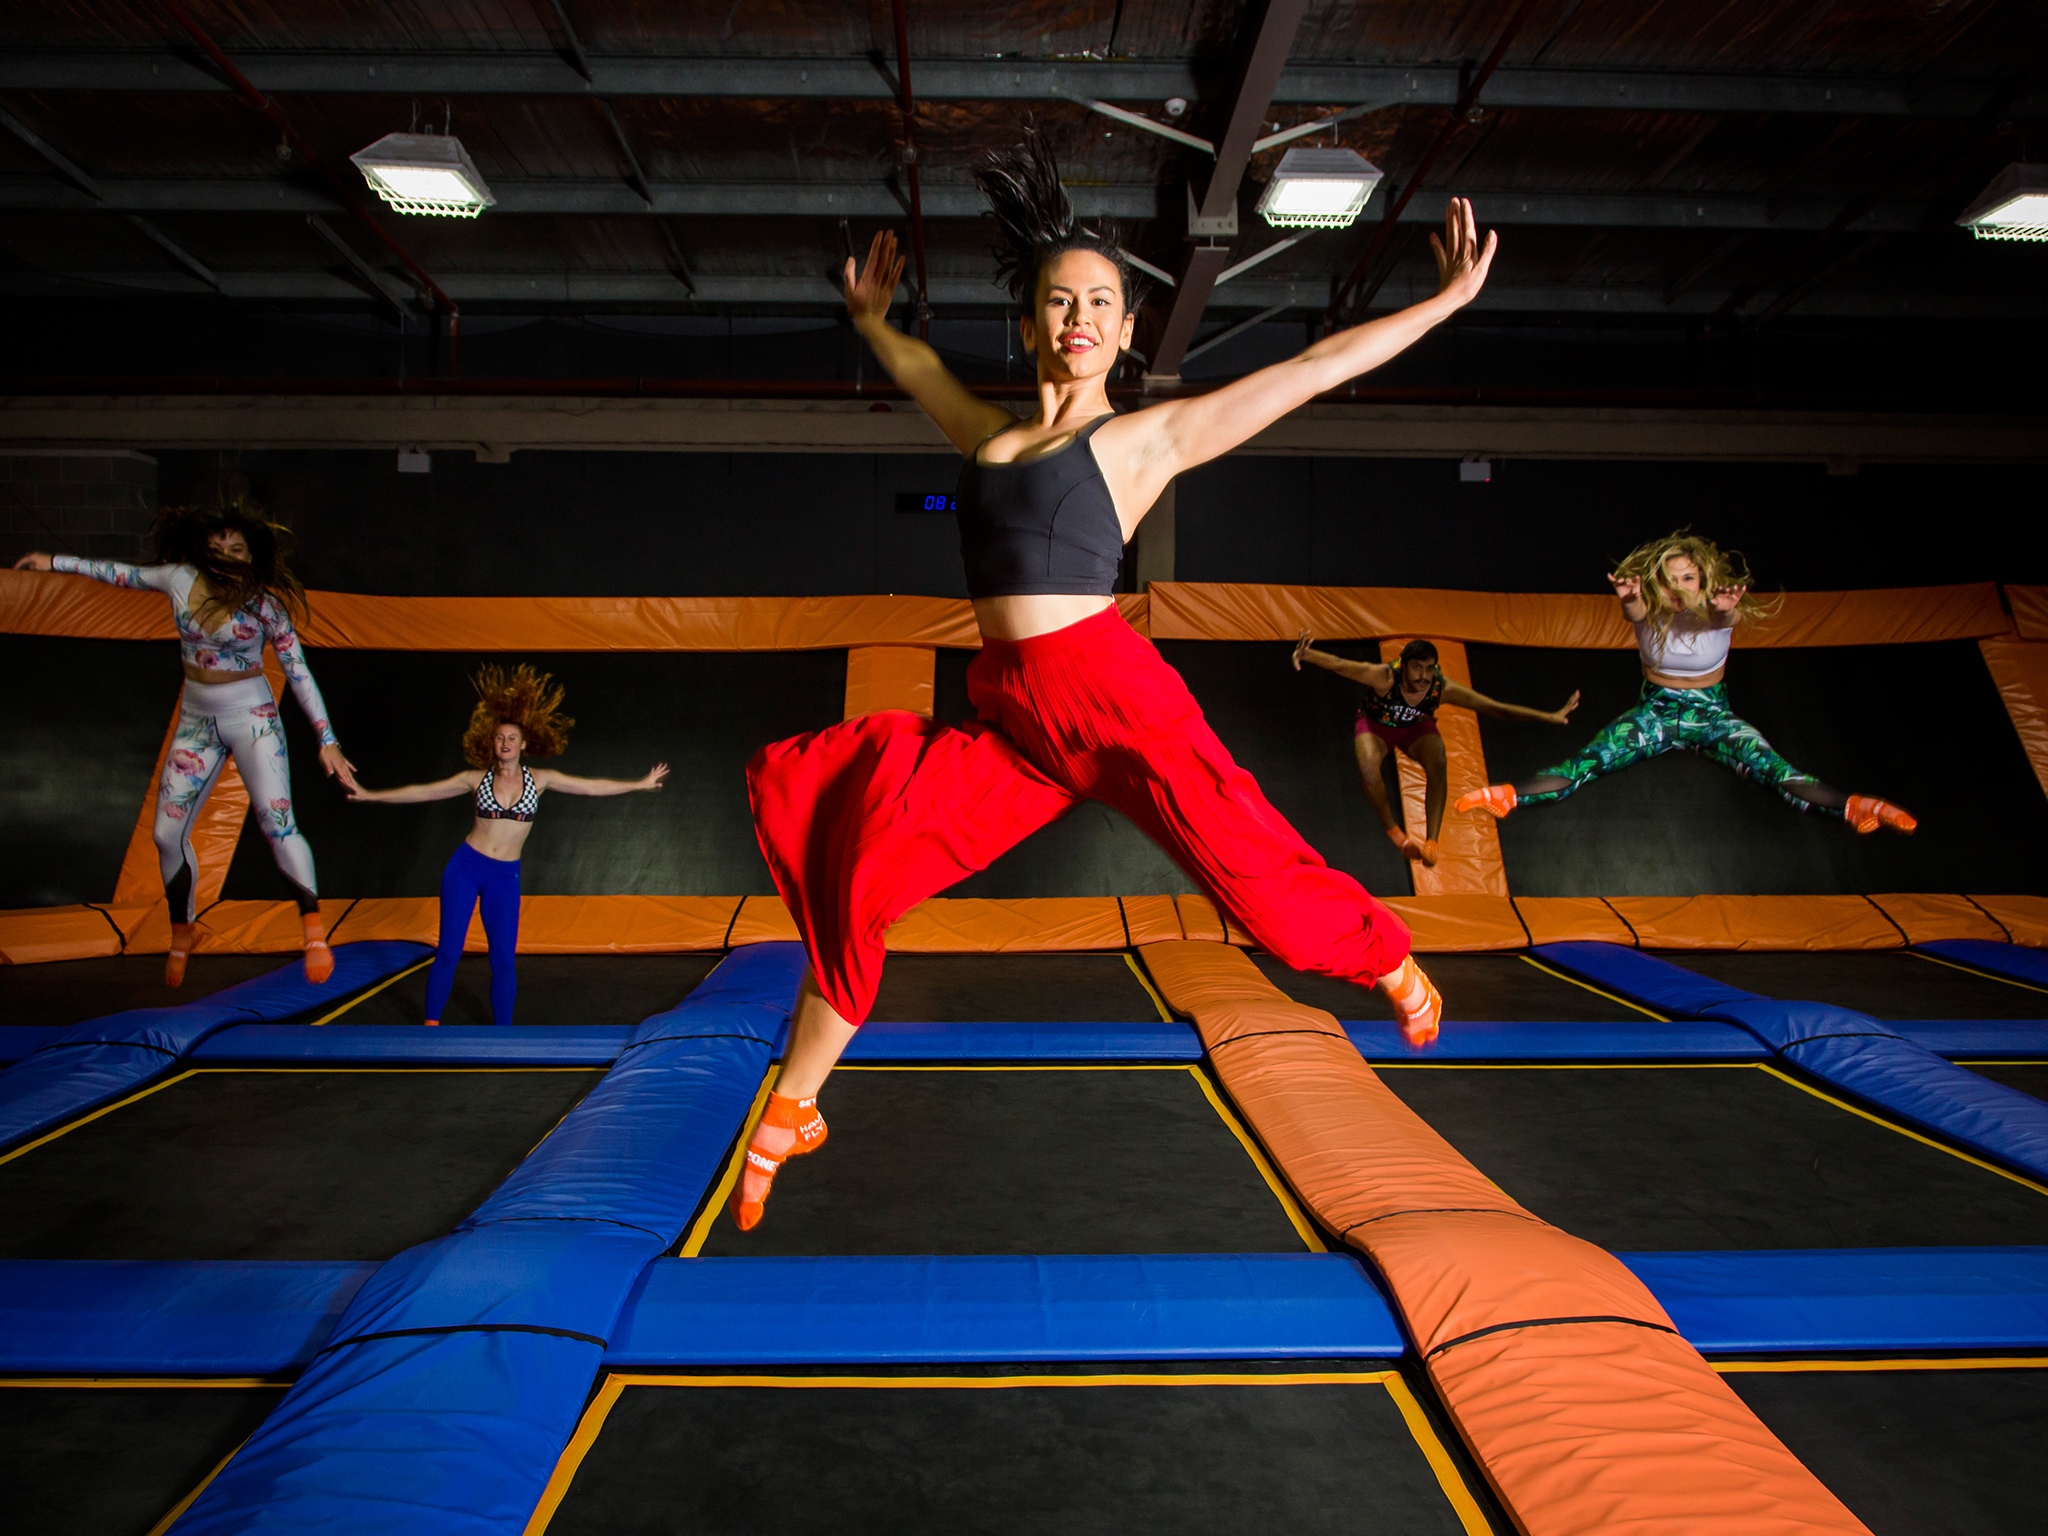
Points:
x=927 y=501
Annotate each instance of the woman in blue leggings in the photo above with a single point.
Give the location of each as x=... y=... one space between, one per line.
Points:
x=516 y=717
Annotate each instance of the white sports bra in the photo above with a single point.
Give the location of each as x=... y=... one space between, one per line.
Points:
x=1688 y=649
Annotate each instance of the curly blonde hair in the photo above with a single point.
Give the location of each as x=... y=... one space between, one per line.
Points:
x=528 y=699
x=1717 y=568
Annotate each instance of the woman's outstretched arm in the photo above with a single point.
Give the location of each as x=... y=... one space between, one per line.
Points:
x=569 y=784
x=412 y=794
x=964 y=417
x=1179 y=434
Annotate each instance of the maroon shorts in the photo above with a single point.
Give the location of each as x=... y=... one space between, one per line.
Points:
x=1399 y=737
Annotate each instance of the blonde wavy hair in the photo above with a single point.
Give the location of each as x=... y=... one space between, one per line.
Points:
x=1717 y=568
x=528 y=699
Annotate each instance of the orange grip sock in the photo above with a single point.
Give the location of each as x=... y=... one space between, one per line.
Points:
x=182 y=936
x=1496 y=800
x=1866 y=813
x=319 y=958
x=1418 y=1006
x=789 y=1128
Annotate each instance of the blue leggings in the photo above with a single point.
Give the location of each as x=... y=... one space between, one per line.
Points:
x=470 y=881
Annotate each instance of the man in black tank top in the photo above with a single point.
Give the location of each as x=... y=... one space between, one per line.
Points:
x=1398 y=714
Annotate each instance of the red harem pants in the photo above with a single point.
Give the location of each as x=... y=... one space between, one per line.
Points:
x=863 y=820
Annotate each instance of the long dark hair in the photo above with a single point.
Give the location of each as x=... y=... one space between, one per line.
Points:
x=1036 y=222
x=180 y=538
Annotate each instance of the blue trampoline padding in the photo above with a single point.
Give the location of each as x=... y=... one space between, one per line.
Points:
x=98 y=1060
x=1976 y=1037
x=748 y=996
x=1158 y=1041
x=184 y=1318
x=1639 y=977
x=450 y=1434
x=1681 y=1040
x=1855 y=1052
x=1804 y=1300
x=2015 y=962
x=19 y=1040
x=1082 y=1307
x=567 y=1045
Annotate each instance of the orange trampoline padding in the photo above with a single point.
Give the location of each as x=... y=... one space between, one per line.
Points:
x=889 y=677
x=1440 y=925
x=2029 y=611
x=1201 y=919
x=1586 y=1411
x=2020 y=669
x=1635 y=1432
x=980 y=926
x=1924 y=917
x=1558 y=919
x=1468 y=853
x=2024 y=918
x=1756 y=922
x=33 y=935
x=1148 y=919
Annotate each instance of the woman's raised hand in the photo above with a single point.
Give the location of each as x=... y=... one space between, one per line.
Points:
x=1626 y=588
x=870 y=293
x=34 y=560
x=654 y=777
x=1561 y=716
x=1727 y=598
x=1461 y=261
x=1301 y=648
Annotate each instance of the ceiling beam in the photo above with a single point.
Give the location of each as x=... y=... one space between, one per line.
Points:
x=810 y=199
x=558 y=291
x=55 y=158
x=184 y=258
x=548 y=74
x=1205 y=264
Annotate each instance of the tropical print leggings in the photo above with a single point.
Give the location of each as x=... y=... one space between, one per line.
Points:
x=1696 y=719
x=216 y=720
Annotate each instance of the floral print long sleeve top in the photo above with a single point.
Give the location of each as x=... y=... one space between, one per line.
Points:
x=237 y=646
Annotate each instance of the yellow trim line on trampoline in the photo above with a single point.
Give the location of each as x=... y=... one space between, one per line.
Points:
x=1971 y=970
x=1600 y=991
x=1137 y=970
x=1416 y=1421
x=700 y=1229
x=369 y=992
x=1976 y=1363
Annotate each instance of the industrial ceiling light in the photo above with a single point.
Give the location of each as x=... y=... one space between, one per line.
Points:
x=1318 y=189
x=424 y=173
x=2013 y=207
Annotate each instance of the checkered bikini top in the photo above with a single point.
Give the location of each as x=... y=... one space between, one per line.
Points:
x=522 y=809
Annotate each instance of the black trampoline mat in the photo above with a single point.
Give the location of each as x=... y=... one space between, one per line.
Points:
x=2029 y=1077
x=1916 y=1452
x=1886 y=984
x=113 y=1460
x=553 y=989
x=1163 y=1456
x=1645 y=1159
x=239 y=1164
x=69 y=992
x=1017 y=1161
x=1012 y=989
x=1491 y=989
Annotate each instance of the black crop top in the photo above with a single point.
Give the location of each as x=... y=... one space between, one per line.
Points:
x=1040 y=525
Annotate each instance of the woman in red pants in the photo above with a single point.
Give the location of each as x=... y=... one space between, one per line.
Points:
x=862 y=821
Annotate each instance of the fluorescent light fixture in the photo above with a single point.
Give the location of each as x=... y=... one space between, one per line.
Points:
x=424 y=173
x=1318 y=189
x=2013 y=207
x=1472 y=469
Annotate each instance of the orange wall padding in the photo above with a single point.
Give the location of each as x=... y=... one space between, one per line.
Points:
x=35 y=935
x=2020 y=669
x=1556 y=919
x=1756 y=922
x=2029 y=611
x=1183 y=610
x=1924 y=917
x=889 y=677
x=1468 y=853
x=1585 y=1410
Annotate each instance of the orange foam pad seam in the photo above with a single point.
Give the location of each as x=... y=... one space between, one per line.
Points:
x=1757 y=922
x=1556 y=919
x=34 y=935
x=1924 y=916
x=1461 y=1257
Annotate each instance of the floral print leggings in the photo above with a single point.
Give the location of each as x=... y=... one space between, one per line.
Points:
x=1696 y=719
x=214 y=721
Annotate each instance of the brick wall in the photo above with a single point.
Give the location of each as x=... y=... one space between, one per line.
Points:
x=95 y=504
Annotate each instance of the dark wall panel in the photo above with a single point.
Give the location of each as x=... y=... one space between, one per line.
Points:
x=1920 y=725
x=400 y=716
x=88 y=719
